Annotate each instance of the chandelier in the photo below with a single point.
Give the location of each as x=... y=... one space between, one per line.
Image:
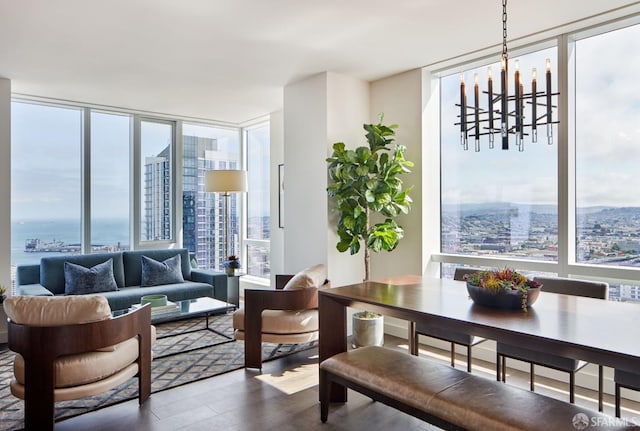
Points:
x=506 y=114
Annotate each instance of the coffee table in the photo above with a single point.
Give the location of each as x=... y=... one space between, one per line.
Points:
x=188 y=309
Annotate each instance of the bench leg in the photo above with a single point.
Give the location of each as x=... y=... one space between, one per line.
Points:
x=453 y=355
x=498 y=369
x=468 y=358
x=617 y=400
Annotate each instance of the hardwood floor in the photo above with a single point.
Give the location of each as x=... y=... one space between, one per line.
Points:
x=283 y=397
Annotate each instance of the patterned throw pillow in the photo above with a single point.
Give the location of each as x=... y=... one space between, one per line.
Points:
x=79 y=280
x=156 y=273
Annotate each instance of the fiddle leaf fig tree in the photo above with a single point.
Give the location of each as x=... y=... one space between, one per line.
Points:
x=364 y=182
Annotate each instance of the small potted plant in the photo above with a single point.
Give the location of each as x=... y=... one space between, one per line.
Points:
x=502 y=288
x=231 y=264
x=2 y=293
x=368 y=329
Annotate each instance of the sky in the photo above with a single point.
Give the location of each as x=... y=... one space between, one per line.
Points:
x=607 y=132
x=42 y=134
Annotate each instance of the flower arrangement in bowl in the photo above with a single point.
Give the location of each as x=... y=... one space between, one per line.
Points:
x=502 y=288
x=231 y=264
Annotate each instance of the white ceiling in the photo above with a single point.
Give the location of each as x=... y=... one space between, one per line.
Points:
x=228 y=60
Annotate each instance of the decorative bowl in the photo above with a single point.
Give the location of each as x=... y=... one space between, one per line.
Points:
x=502 y=299
x=154 y=300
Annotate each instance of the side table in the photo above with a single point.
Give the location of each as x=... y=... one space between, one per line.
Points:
x=233 y=288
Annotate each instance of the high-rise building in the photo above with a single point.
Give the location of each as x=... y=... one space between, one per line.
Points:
x=202 y=212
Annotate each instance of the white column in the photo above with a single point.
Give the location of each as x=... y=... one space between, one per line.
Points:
x=318 y=111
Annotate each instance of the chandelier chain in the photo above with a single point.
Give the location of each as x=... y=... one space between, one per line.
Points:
x=504 y=29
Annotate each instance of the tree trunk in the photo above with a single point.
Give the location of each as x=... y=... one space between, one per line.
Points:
x=367 y=262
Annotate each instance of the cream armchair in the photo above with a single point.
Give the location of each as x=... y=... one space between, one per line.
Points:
x=286 y=315
x=70 y=347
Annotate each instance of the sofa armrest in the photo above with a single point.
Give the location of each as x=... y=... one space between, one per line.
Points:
x=33 y=290
x=27 y=274
x=217 y=279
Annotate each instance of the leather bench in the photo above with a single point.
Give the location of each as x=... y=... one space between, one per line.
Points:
x=449 y=398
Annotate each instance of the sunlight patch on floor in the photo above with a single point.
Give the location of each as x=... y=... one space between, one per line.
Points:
x=293 y=381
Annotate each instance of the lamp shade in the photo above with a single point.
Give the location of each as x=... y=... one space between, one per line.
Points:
x=225 y=181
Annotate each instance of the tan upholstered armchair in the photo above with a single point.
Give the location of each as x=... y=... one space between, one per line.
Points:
x=286 y=315
x=70 y=347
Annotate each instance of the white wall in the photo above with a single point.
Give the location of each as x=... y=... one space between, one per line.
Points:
x=5 y=192
x=399 y=97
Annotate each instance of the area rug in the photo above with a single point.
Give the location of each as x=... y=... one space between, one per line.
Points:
x=167 y=372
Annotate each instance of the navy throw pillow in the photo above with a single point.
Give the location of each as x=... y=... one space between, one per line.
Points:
x=156 y=273
x=79 y=280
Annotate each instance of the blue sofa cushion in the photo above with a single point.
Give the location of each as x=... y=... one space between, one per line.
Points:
x=52 y=268
x=79 y=280
x=133 y=263
x=155 y=273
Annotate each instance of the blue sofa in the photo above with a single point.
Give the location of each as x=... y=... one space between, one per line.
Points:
x=47 y=278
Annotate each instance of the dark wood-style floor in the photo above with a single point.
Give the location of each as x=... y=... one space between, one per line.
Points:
x=283 y=397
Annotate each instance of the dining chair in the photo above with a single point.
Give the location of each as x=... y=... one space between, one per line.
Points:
x=445 y=334
x=625 y=379
x=566 y=286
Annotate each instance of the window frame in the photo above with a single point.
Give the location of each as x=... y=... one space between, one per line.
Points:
x=246 y=242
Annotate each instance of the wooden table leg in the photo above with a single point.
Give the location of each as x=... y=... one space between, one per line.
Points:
x=333 y=337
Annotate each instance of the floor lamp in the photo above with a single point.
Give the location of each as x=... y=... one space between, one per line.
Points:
x=226 y=182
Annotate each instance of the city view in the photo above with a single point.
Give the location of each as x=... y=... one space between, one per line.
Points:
x=604 y=235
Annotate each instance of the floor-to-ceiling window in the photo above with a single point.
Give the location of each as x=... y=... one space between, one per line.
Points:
x=205 y=148
x=258 y=209
x=73 y=163
x=156 y=167
x=110 y=181
x=569 y=208
x=496 y=202
x=46 y=207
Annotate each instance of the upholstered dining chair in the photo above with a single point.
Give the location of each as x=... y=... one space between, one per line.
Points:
x=566 y=286
x=286 y=315
x=624 y=379
x=70 y=347
x=447 y=335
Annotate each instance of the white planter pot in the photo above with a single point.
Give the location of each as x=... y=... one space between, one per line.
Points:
x=367 y=331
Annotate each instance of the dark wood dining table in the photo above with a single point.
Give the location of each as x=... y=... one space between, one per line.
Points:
x=594 y=330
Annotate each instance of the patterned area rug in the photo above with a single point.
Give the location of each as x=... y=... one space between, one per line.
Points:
x=167 y=372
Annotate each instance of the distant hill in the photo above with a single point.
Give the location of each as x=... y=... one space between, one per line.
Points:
x=500 y=207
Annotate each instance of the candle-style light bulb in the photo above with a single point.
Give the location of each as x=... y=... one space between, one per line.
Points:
x=490 y=105
x=549 y=106
x=463 y=112
x=534 y=106
x=517 y=98
x=504 y=105
x=476 y=111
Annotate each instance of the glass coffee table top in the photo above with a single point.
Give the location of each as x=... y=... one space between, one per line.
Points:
x=186 y=309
